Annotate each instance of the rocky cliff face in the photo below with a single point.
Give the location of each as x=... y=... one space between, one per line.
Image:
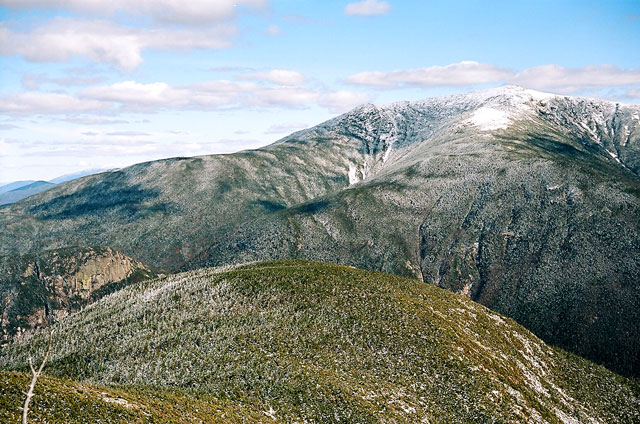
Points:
x=39 y=289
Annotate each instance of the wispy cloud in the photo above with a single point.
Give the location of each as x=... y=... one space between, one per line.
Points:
x=193 y=12
x=456 y=74
x=278 y=76
x=33 y=82
x=633 y=93
x=128 y=134
x=270 y=89
x=274 y=29
x=60 y=39
x=367 y=8
x=285 y=128
x=139 y=96
x=553 y=78
x=93 y=120
x=35 y=103
x=573 y=80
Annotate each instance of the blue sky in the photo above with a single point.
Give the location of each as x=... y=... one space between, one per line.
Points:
x=101 y=84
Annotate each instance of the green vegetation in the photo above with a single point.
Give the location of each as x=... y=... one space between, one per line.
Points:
x=64 y=401
x=300 y=340
x=538 y=221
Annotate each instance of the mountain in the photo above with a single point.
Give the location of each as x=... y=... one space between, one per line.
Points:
x=16 y=184
x=298 y=341
x=526 y=202
x=39 y=289
x=18 y=190
x=75 y=175
x=24 y=191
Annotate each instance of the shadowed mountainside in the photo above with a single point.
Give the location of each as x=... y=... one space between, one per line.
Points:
x=22 y=192
x=526 y=202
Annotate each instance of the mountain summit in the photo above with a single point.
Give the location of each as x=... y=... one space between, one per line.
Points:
x=526 y=202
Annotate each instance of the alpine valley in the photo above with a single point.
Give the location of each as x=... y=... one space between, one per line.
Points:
x=524 y=206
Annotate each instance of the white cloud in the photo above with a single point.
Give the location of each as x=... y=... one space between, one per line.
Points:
x=274 y=30
x=128 y=134
x=35 y=103
x=633 y=93
x=93 y=120
x=221 y=94
x=33 y=82
x=340 y=101
x=368 y=8
x=301 y=97
x=285 y=128
x=192 y=12
x=132 y=96
x=137 y=95
x=552 y=78
x=101 y=41
x=278 y=76
x=456 y=74
x=562 y=80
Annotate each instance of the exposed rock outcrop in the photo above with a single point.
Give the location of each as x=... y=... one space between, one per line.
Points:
x=39 y=289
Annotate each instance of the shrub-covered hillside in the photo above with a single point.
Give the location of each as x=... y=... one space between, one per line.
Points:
x=304 y=341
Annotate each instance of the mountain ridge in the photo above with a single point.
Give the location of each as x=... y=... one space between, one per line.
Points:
x=15 y=191
x=526 y=202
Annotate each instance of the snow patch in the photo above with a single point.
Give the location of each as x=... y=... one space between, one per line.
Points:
x=538 y=95
x=353 y=178
x=532 y=380
x=489 y=119
x=627 y=133
x=387 y=153
x=271 y=413
x=118 y=401
x=613 y=155
x=150 y=295
x=496 y=318
x=466 y=290
x=565 y=418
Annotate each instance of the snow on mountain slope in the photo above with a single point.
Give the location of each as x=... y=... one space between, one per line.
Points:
x=536 y=215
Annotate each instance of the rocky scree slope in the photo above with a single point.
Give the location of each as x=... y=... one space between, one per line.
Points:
x=526 y=202
x=303 y=341
x=39 y=289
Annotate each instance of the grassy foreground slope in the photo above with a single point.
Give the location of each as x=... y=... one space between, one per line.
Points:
x=65 y=401
x=305 y=341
